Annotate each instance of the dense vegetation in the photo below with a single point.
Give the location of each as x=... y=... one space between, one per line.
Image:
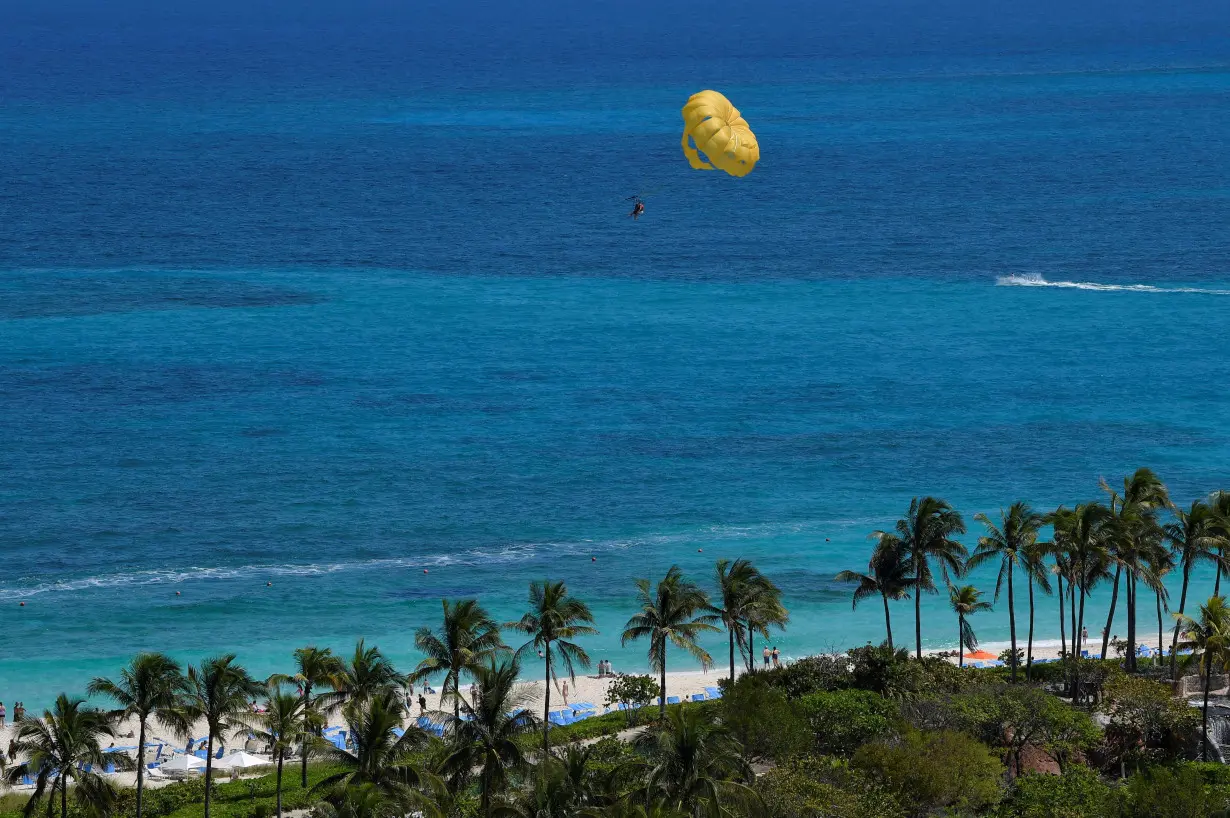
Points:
x=873 y=732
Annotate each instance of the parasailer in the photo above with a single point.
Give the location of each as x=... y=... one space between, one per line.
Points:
x=712 y=126
x=638 y=208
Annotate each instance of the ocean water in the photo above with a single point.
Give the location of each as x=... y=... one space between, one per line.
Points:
x=356 y=309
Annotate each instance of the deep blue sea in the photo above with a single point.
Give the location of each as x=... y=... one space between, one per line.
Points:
x=325 y=296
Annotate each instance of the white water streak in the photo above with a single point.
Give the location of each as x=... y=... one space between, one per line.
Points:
x=1035 y=280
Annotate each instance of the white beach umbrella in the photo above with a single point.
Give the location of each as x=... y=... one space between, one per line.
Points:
x=182 y=764
x=241 y=760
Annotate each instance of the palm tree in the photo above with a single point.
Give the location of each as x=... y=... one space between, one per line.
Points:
x=58 y=748
x=1193 y=539
x=888 y=575
x=1161 y=563
x=925 y=534
x=367 y=673
x=148 y=687
x=314 y=668
x=965 y=602
x=283 y=725
x=1209 y=637
x=670 y=612
x=1080 y=535
x=750 y=601
x=1135 y=525
x=1037 y=572
x=379 y=758
x=562 y=787
x=218 y=692
x=487 y=737
x=1219 y=501
x=763 y=610
x=555 y=618
x=468 y=637
x=697 y=767
x=1007 y=543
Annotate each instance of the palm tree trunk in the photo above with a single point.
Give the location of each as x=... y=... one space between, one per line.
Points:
x=64 y=788
x=279 y=782
x=1063 y=639
x=209 y=768
x=960 y=641
x=917 y=615
x=1077 y=635
x=1110 y=617
x=1204 y=719
x=546 y=702
x=1160 y=646
x=1174 y=642
x=1029 y=642
x=1130 y=665
x=751 y=648
x=140 y=763
x=1221 y=554
x=303 y=749
x=1012 y=622
x=732 y=655
x=662 y=683
x=888 y=626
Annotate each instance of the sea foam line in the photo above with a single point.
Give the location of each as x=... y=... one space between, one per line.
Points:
x=1035 y=280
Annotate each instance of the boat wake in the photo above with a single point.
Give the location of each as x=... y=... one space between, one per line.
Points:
x=1035 y=280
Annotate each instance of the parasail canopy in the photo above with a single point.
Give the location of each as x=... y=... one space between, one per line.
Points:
x=714 y=127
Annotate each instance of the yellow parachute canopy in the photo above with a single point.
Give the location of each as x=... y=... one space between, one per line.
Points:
x=718 y=129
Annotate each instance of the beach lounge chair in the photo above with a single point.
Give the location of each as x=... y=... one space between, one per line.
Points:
x=397 y=731
x=201 y=753
x=27 y=781
x=109 y=769
x=713 y=692
x=672 y=700
x=698 y=697
x=583 y=706
x=1085 y=654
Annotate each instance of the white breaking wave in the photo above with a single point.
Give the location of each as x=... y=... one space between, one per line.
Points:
x=1035 y=280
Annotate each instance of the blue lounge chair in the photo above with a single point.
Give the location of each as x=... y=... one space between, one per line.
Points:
x=713 y=692
x=698 y=697
x=109 y=769
x=621 y=706
x=556 y=718
x=583 y=706
x=153 y=765
x=201 y=754
x=1085 y=654
x=220 y=753
x=27 y=781
x=672 y=700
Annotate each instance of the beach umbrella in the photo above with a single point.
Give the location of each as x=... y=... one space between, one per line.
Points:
x=980 y=655
x=241 y=761
x=183 y=764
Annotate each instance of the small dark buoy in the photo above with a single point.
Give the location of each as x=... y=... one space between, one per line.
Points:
x=177 y=593
x=826 y=539
x=424 y=570
x=700 y=550
x=268 y=584
x=23 y=604
x=593 y=559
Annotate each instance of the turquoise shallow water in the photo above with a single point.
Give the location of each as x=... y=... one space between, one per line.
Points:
x=330 y=332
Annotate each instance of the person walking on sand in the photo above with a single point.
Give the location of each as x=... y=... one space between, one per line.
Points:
x=2 y=714
x=777 y=657
x=767 y=655
x=422 y=705
x=564 y=692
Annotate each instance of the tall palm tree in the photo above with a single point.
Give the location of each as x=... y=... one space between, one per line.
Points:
x=675 y=611
x=926 y=534
x=1080 y=533
x=697 y=767
x=315 y=668
x=1194 y=540
x=467 y=638
x=1007 y=543
x=486 y=738
x=380 y=759
x=1037 y=572
x=888 y=576
x=1161 y=563
x=219 y=692
x=965 y=602
x=1128 y=540
x=762 y=610
x=1209 y=637
x=1219 y=501
x=750 y=601
x=554 y=618
x=57 y=748
x=283 y=725
x=148 y=688
x=367 y=673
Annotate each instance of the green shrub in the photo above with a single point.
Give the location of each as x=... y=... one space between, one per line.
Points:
x=1078 y=793
x=824 y=788
x=844 y=720
x=1171 y=792
x=895 y=675
x=808 y=675
x=635 y=692
x=1148 y=723
x=766 y=723
x=938 y=771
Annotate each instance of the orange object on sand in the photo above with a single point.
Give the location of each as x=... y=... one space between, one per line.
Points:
x=981 y=655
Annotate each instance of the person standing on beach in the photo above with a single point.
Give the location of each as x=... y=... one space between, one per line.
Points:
x=2 y=714
x=422 y=705
x=767 y=654
x=564 y=692
x=777 y=657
